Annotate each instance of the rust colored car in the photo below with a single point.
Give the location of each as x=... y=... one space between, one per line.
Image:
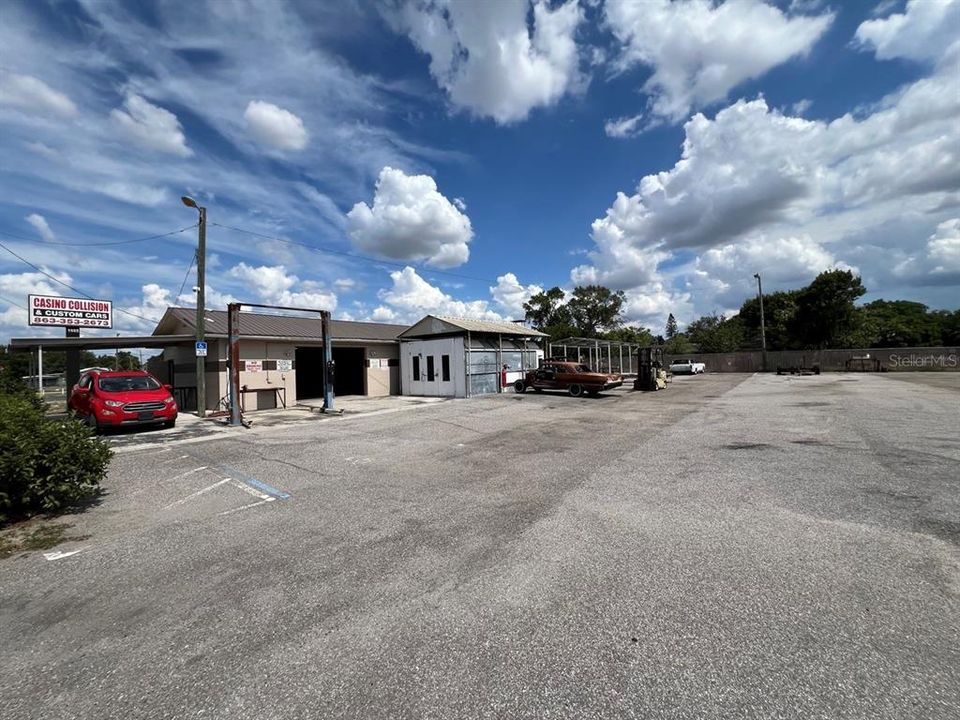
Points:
x=573 y=377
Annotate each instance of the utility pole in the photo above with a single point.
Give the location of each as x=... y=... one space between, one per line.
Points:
x=201 y=303
x=763 y=325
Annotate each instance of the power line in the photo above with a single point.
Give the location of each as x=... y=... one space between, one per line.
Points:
x=193 y=259
x=353 y=256
x=97 y=244
x=69 y=287
x=12 y=302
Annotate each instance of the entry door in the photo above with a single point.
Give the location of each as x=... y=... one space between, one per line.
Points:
x=444 y=368
x=433 y=371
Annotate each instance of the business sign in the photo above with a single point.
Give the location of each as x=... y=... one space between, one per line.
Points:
x=51 y=310
x=253 y=365
x=201 y=348
x=284 y=365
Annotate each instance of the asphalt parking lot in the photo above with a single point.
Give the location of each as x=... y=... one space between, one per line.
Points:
x=733 y=547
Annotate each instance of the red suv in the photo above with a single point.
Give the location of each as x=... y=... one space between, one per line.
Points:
x=111 y=398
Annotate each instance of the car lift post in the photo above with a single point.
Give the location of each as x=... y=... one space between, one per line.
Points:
x=233 y=360
x=233 y=355
x=328 y=368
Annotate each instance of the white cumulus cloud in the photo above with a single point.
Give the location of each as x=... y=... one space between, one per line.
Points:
x=151 y=126
x=411 y=297
x=725 y=273
x=924 y=31
x=275 y=127
x=943 y=248
x=492 y=59
x=510 y=294
x=411 y=220
x=275 y=286
x=756 y=190
x=41 y=225
x=700 y=50
x=33 y=95
x=624 y=127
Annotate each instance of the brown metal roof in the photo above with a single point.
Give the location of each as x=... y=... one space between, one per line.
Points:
x=287 y=326
x=440 y=325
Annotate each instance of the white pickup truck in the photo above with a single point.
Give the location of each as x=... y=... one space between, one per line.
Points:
x=687 y=367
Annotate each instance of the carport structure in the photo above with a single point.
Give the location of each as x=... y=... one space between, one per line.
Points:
x=73 y=345
x=599 y=354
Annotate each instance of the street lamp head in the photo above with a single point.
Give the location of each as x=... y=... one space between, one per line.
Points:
x=189 y=202
x=757 y=275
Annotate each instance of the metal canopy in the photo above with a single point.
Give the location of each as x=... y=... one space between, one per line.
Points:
x=100 y=342
x=600 y=354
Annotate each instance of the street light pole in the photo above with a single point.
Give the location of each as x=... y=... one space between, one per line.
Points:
x=763 y=325
x=201 y=303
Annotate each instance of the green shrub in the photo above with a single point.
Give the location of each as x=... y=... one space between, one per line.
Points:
x=45 y=465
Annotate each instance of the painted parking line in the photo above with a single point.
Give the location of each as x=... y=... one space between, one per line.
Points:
x=246 y=507
x=59 y=554
x=249 y=480
x=198 y=493
x=250 y=490
x=187 y=473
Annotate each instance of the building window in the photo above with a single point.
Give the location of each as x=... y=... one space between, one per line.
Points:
x=416 y=368
x=430 y=370
x=445 y=368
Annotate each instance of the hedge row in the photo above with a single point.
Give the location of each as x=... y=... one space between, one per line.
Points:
x=45 y=465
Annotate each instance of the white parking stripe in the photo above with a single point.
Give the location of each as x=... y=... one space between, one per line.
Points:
x=198 y=493
x=244 y=507
x=188 y=472
x=59 y=555
x=253 y=491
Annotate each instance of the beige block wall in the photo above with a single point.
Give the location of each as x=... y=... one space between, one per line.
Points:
x=266 y=380
x=381 y=378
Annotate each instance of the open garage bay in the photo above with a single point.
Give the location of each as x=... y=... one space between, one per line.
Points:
x=736 y=546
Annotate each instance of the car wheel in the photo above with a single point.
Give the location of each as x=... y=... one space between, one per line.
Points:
x=576 y=390
x=91 y=421
x=170 y=423
x=520 y=386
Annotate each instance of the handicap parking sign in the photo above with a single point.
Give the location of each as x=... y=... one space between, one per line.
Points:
x=201 y=348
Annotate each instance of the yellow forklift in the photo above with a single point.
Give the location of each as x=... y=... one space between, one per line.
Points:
x=650 y=373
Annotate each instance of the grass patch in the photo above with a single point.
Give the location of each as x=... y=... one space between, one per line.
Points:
x=33 y=536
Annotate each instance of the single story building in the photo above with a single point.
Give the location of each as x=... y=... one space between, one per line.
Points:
x=455 y=357
x=281 y=358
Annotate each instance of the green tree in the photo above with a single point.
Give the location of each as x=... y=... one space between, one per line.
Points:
x=123 y=360
x=547 y=308
x=779 y=310
x=714 y=334
x=595 y=309
x=899 y=323
x=949 y=327
x=671 y=328
x=679 y=344
x=826 y=315
x=629 y=334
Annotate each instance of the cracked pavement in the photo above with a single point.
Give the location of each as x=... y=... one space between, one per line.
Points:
x=736 y=546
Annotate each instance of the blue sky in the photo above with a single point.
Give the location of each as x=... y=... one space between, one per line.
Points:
x=392 y=159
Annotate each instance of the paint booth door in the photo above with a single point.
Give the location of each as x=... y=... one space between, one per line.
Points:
x=433 y=367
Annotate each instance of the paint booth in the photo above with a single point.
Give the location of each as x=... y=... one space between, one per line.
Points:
x=455 y=357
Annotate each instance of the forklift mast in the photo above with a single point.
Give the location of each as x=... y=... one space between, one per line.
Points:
x=649 y=369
